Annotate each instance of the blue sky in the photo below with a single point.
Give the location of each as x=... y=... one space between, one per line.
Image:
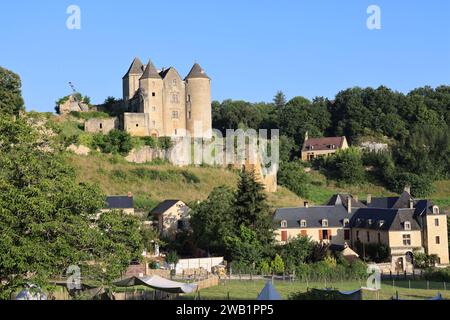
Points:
x=250 y=49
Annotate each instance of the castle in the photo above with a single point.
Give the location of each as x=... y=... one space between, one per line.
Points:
x=161 y=103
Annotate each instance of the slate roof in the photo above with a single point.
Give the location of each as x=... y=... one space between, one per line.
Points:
x=197 y=72
x=313 y=216
x=137 y=67
x=150 y=72
x=392 y=202
x=342 y=199
x=164 y=206
x=323 y=143
x=393 y=219
x=119 y=202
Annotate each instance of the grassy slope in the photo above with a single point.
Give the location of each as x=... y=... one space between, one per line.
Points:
x=102 y=170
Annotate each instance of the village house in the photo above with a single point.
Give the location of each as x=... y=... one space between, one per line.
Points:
x=122 y=203
x=402 y=223
x=322 y=147
x=172 y=216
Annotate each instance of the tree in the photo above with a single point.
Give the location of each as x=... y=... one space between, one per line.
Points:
x=251 y=208
x=46 y=217
x=244 y=247
x=212 y=220
x=279 y=100
x=346 y=166
x=277 y=265
x=292 y=176
x=296 y=252
x=11 y=101
x=172 y=258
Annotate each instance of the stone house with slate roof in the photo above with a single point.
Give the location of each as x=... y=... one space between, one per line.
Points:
x=172 y=217
x=402 y=223
x=322 y=147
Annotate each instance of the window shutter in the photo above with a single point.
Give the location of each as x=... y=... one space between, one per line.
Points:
x=320 y=235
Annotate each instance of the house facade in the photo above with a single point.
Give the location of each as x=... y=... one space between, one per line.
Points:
x=402 y=223
x=172 y=216
x=322 y=147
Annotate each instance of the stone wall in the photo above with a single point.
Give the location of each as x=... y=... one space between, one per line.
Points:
x=101 y=125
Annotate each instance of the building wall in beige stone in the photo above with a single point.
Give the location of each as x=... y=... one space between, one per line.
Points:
x=361 y=235
x=136 y=124
x=153 y=104
x=198 y=106
x=173 y=98
x=396 y=239
x=168 y=221
x=101 y=125
x=433 y=231
x=337 y=234
x=130 y=86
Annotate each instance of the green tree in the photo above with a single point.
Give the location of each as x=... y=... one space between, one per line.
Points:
x=212 y=220
x=46 y=217
x=11 y=101
x=251 y=208
x=346 y=166
x=292 y=176
x=296 y=252
x=279 y=100
x=245 y=247
x=277 y=265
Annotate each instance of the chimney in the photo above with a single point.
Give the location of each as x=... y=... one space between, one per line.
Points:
x=408 y=189
x=130 y=195
x=369 y=198
x=306 y=136
x=411 y=203
x=349 y=204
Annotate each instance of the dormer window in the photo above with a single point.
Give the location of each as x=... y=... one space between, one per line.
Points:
x=381 y=223
x=325 y=223
x=346 y=223
x=303 y=224
x=369 y=222
x=284 y=224
x=407 y=225
x=436 y=210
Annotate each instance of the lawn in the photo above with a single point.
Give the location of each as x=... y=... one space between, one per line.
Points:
x=249 y=290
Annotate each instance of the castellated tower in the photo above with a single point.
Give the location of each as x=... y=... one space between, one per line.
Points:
x=131 y=79
x=198 y=103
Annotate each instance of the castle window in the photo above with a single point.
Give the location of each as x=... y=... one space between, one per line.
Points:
x=137 y=125
x=189 y=98
x=325 y=223
x=174 y=98
x=153 y=94
x=189 y=114
x=438 y=240
x=357 y=235
x=303 y=223
x=174 y=114
x=284 y=224
x=101 y=125
x=176 y=131
x=368 y=236
x=406 y=239
x=407 y=225
x=154 y=108
x=436 y=210
x=436 y=222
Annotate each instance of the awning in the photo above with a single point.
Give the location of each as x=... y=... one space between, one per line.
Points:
x=157 y=283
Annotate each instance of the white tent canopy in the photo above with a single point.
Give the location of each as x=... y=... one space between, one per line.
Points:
x=157 y=283
x=269 y=293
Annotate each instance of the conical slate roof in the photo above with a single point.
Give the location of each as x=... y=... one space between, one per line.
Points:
x=136 y=67
x=197 y=72
x=150 y=72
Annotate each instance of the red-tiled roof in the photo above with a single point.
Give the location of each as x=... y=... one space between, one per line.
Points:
x=323 y=143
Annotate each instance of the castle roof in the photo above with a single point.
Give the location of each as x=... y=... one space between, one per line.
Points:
x=150 y=72
x=197 y=72
x=136 y=67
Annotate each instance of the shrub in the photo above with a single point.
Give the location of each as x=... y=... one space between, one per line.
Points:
x=115 y=141
x=190 y=177
x=438 y=275
x=277 y=265
x=292 y=176
x=165 y=143
x=346 y=166
x=421 y=186
x=264 y=267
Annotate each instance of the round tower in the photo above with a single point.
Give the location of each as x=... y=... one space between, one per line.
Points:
x=198 y=103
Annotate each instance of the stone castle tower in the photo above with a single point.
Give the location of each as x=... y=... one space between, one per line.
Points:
x=161 y=103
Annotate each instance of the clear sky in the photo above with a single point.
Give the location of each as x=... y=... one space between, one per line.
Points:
x=249 y=48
